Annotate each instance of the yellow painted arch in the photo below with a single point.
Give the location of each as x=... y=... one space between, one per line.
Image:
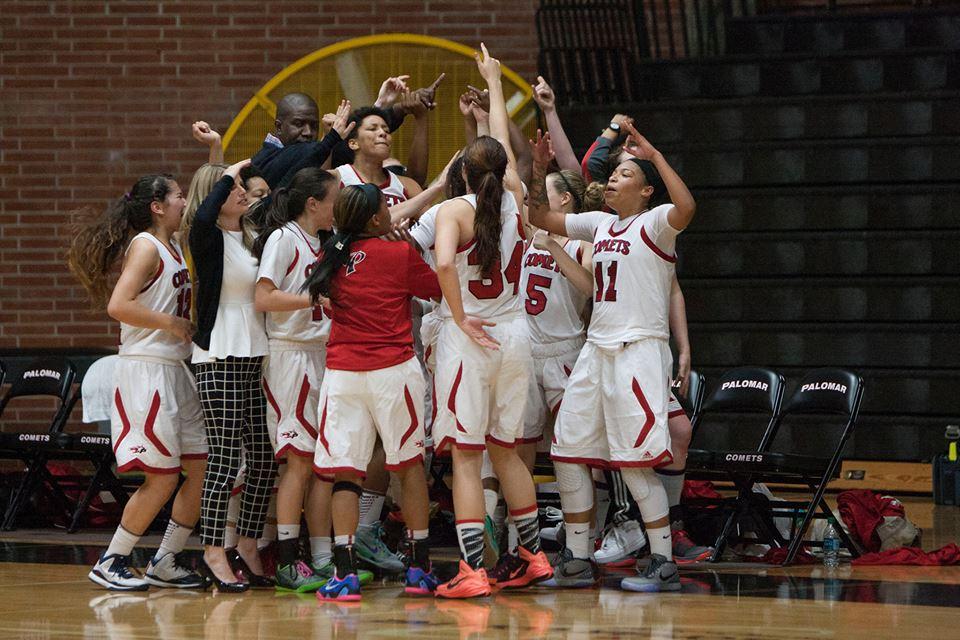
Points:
x=359 y=66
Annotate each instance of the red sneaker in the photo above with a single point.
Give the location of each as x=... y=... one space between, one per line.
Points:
x=468 y=583
x=531 y=568
x=686 y=551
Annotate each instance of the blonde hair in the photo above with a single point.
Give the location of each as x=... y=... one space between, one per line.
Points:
x=201 y=184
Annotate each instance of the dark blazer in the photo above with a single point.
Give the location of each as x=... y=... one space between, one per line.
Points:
x=206 y=248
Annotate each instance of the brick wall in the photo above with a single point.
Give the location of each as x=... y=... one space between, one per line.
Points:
x=97 y=93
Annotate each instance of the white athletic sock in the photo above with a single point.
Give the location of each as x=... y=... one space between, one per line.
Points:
x=321 y=550
x=371 y=506
x=122 y=543
x=342 y=540
x=578 y=539
x=288 y=531
x=490 y=500
x=672 y=482
x=174 y=538
x=661 y=541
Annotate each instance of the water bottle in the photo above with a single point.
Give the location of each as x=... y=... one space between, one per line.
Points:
x=831 y=545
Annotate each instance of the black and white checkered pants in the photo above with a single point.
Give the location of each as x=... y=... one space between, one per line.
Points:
x=235 y=417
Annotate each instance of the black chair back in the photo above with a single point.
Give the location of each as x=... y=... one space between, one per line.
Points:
x=743 y=390
x=42 y=377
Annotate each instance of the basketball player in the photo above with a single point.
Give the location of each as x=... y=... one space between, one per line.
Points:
x=482 y=377
x=156 y=423
x=616 y=401
x=288 y=249
x=373 y=383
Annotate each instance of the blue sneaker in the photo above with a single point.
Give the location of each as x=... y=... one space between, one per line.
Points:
x=346 y=589
x=420 y=582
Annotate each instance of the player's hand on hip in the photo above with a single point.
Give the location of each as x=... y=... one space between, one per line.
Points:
x=180 y=327
x=473 y=327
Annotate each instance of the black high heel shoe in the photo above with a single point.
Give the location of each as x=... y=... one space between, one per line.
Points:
x=240 y=566
x=224 y=587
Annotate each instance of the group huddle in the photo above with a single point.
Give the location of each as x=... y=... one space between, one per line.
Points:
x=344 y=320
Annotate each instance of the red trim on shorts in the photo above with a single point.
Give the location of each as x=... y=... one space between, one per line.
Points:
x=143 y=466
x=442 y=448
x=529 y=440
x=501 y=443
x=301 y=403
x=296 y=258
x=467 y=522
x=123 y=420
x=466 y=446
x=524 y=510
x=414 y=423
x=596 y=463
x=272 y=400
x=452 y=400
x=328 y=471
x=193 y=456
x=155 y=277
x=321 y=436
x=653 y=247
x=664 y=458
x=674 y=414
x=148 y=425
x=624 y=230
x=404 y=464
x=292 y=449
x=651 y=419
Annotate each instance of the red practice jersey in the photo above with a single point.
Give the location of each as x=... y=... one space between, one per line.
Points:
x=371 y=327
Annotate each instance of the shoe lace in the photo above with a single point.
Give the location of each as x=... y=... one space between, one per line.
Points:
x=180 y=568
x=611 y=537
x=121 y=567
x=553 y=514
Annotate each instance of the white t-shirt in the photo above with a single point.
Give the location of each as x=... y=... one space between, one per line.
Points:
x=289 y=256
x=633 y=267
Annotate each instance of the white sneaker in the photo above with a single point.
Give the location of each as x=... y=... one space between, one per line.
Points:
x=620 y=542
x=113 y=572
x=554 y=524
x=168 y=572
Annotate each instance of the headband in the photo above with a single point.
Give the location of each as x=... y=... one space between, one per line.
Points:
x=653 y=179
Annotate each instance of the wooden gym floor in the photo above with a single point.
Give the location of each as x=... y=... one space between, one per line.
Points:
x=44 y=593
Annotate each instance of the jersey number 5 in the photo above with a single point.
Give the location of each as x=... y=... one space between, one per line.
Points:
x=610 y=295
x=536 y=293
x=490 y=288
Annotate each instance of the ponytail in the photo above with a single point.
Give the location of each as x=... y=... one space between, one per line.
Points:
x=485 y=163
x=353 y=209
x=288 y=203
x=99 y=243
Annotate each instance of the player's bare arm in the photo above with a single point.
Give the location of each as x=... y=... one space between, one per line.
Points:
x=141 y=265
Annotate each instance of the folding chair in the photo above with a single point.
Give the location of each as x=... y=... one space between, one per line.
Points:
x=825 y=399
x=696 y=392
x=43 y=377
x=743 y=407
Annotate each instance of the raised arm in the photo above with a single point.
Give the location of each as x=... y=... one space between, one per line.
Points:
x=545 y=99
x=419 y=103
x=538 y=206
x=678 y=329
x=684 y=206
x=204 y=134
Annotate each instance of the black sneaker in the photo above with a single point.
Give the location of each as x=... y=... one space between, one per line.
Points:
x=507 y=567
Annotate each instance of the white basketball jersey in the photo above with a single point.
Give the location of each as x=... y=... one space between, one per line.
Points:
x=289 y=255
x=393 y=189
x=168 y=291
x=633 y=268
x=553 y=305
x=425 y=234
x=499 y=293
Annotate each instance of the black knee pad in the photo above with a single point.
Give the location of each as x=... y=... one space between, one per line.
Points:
x=344 y=485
